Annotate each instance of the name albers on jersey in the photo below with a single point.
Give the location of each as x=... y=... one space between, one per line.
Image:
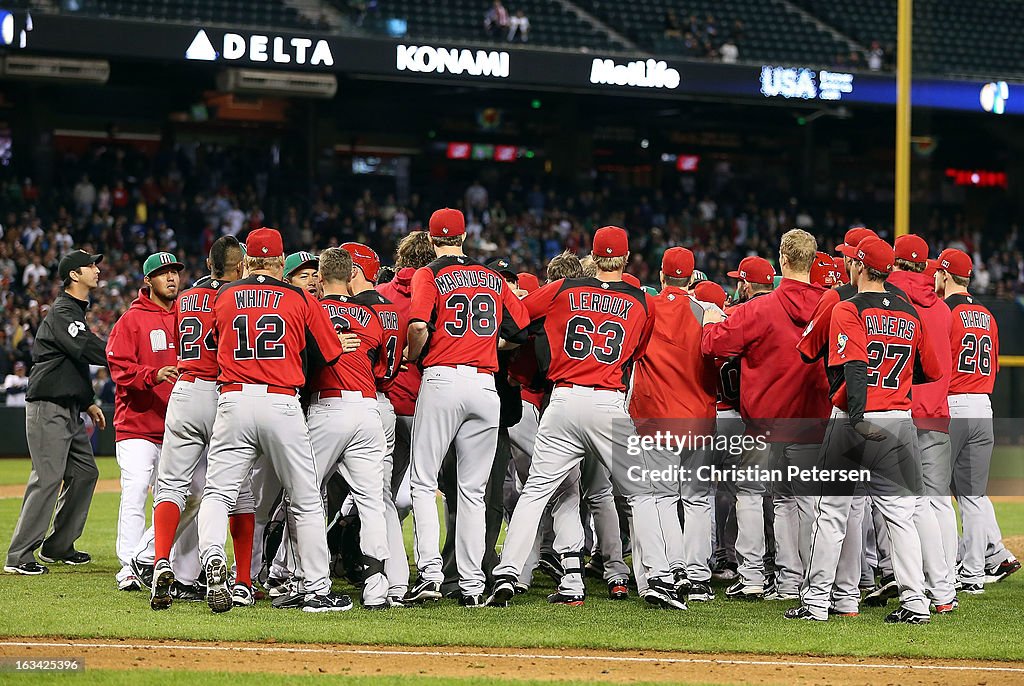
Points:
x=425 y=58
x=890 y=326
x=448 y=282
x=600 y=302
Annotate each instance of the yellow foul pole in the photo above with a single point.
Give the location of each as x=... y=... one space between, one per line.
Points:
x=903 y=72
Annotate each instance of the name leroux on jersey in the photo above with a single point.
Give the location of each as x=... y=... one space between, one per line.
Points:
x=600 y=302
x=890 y=326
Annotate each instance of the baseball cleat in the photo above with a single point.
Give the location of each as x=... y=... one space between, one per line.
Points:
x=32 y=568
x=474 y=600
x=701 y=592
x=163 y=579
x=776 y=594
x=278 y=586
x=288 y=601
x=552 y=566
x=595 y=567
x=329 y=602
x=902 y=615
x=803 y=612
x=618 y=589
x=423 y=591
x=396 y=601
x=725 y=572
x=664 y=595
x=143 y=571
x=80 y=558
x=946 y=608
x=741 y=591
x=993 y=575
x=504 y=589
x=572 y=600
x=218 y=597
x=887 y=588
x=187 y=592
x=521 y=588
x=129 y=583
x=832 y=612
x=973 y=589
x=242 y=596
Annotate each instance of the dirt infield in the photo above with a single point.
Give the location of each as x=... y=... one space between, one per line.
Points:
x=597 y=666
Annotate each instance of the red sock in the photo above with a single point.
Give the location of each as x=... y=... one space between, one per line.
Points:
x=242 y=527
x=165 y=524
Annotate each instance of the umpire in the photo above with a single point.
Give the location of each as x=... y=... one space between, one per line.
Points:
x=58 y=390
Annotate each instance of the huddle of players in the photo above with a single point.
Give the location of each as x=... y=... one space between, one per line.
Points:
x=247 y=346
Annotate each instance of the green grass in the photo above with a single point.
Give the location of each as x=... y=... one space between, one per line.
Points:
x=152 y=677
x=84 y=603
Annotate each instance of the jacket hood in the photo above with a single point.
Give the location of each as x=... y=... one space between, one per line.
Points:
x=798 y=300
x=918 y=287
x=144 y=302
x=403 y=280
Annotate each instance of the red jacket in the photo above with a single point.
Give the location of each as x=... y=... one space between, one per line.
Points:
x=141 y=342
x=930 y=409
x=406 y=386
x=775 y=383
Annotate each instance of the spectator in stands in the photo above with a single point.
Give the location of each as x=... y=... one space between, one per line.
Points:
x=476 y=197
x=519 y=27
x=672 y=28
x=855 y=61
x=497 y=20
x=85 y=196
x=104 y=387
x=34 y=273
x=15 y=386
x=876 y=57
x=738 y=32
x=710 y=28
x=729 y=52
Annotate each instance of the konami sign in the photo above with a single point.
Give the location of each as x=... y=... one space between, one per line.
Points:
x=425 y=58
x=260 y=48
x=642 y=74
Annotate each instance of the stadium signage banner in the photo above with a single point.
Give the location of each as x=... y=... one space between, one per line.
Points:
x=424 y=59
x=640 y=73
x=259 y=48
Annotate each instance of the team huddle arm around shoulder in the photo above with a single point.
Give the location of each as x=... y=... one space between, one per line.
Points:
x=322 y=344
x=515 y=318
x=814 y=342
x=421 y=310
x=122 y=359
x=648 y=330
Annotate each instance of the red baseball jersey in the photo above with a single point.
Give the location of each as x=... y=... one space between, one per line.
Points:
x=466 y=306
x=593 y=330
x=974 y=340
x=355 y=371
x=394 y=328
x=197 y=349
x=883 y=331
x=728 y=382
x=267 y=331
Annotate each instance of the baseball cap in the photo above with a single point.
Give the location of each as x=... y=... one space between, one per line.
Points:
x=956 y=262
x=76 y=260
x=754 y=270
x=159 y=261
x=677 y=263
x=631 y=280
x=649 y=290
x=611 y=241
x=873 y=252
x=930 y=267
x=841 y=269
x=364 y=257
x=264 y=242
x=503 y=267
x=823 y=270
x=300 y=260
x=528 y=282
x=854 y=236
x=911 y=248
x=447 y=222
x=710 y=292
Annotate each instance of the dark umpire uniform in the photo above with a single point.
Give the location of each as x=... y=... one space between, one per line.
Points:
x=59 y=390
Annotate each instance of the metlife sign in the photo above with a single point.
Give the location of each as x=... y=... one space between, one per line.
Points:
x=261 y=48
x=425 y=59
x=639 y=74
x=803 y=83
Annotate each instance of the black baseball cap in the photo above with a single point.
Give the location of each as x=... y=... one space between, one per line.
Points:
x=76 y=260
x=503 y=267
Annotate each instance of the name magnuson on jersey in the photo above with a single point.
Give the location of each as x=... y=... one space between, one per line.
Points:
x=197 y=349
x=466 y=307
x=593 y=330
x=267 y=331
x=355 y=371
x=974 y=340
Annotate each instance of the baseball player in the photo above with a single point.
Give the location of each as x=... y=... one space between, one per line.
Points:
x=675 y=381
x=595 y=329
x=142 y=355
x=974 y=341
x=265 y=331
x=876 y=339
x=459 y=309
x=191 y=411
x=300 y=270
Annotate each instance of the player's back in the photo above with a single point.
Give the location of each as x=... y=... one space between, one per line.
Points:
x=974 y=340
x=394 y=327
x=353 y=372
x=266 y=332
x=197 y=351
x=594 y=330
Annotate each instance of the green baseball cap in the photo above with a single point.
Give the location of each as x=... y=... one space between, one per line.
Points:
x=650 y=290
x=160 y=260
x=299 y=260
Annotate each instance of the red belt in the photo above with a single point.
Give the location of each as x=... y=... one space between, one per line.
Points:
x=337 y=393
x=562 y=384
x=456 y=366
x=233 y=387
x=189 y=376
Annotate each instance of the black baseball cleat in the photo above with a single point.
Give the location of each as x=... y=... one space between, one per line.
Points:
x=278 y=586
x=887 y=588
x=947 y=608
x=143 y=571
x=664 y=595
x=163 y=579
x=187 y=592
x=595 y=567
x=904 y=616
x=218 y=595
x=701 y=592
x=474 y=600
x=501 y=594
x=565 y=599
x=552 y=566
x=993 y=575
x=328 y=602
x=742 y=591
x=423 y=591
x=803 y=612
x=973 y=589
x=32 y=568
x=288 y=601
x=618 y=589
x=77 y=557
x=832 y=612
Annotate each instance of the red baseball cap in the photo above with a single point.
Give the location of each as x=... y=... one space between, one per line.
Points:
x=365 y=258
x=631 y=280
x=930 y=267
x=873 y=252
x=841 y=269
x=754 y=270
x=528 y=282
x=823 y=271
x=677 y=263
x=956 y=262
x=264 y=242
x=611 y=241
x=911 y=248
x=710 y=292
x=447 y=222
x=854 y=236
